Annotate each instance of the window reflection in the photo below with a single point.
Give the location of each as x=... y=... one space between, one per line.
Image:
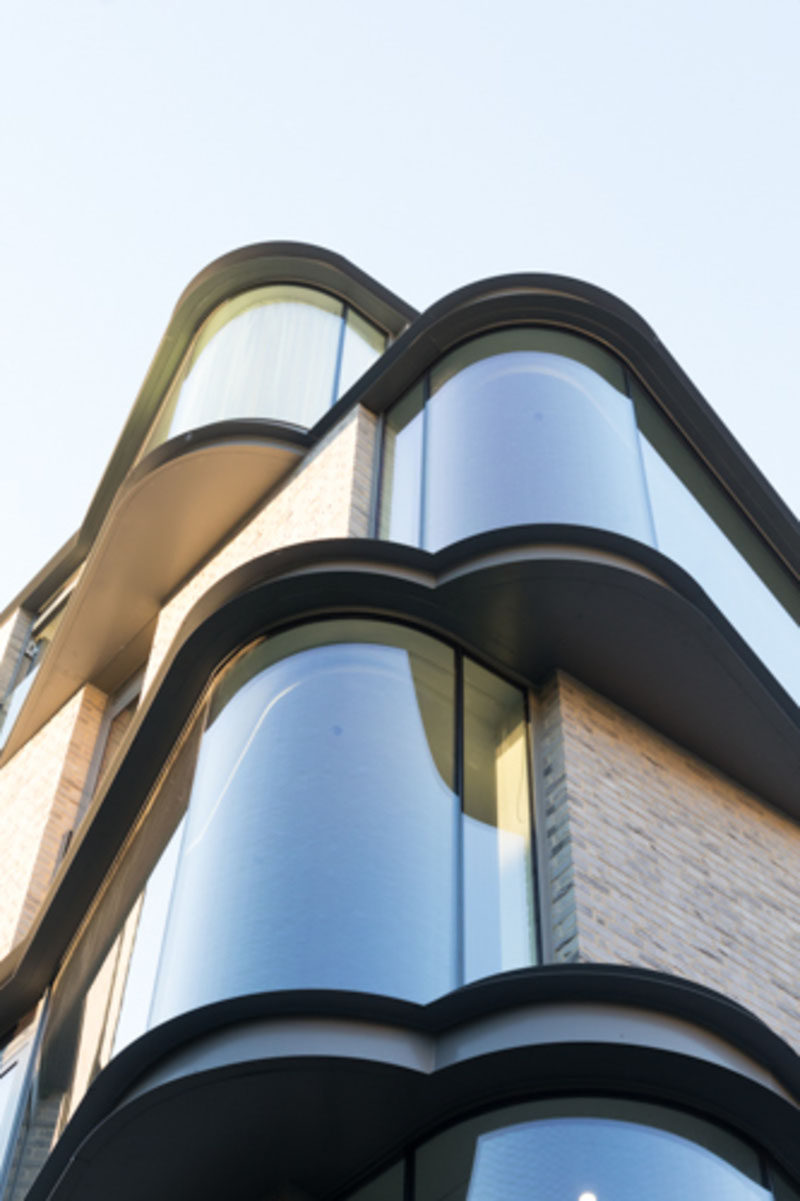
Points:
x=327 y=845
x=698 y=527
x=538 y=426
x=323 y=810
x=521 y=426
x=614 y=1150
x=499 y=925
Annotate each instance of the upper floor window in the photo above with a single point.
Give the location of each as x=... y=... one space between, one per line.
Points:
x=519 y=426
x=282 y=352
x=533 y=426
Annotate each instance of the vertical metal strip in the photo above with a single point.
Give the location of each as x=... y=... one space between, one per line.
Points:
x=543 y=891
x=423 y=485
x=377 y=478
x=459 y=841
x=337 y=371
x=640 y=456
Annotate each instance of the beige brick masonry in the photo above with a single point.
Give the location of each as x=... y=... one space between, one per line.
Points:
x=327 y=496
x=40 y=790
x=668 y=864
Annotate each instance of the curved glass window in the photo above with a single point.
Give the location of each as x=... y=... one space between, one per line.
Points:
x=520 y=426
x=588 y=1150
x=359 y=818
x=582 y=1149
x=347 y=829
x=537 y=426
x=698 y=527
x=282 y=352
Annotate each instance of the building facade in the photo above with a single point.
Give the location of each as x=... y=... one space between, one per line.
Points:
x=399 y=779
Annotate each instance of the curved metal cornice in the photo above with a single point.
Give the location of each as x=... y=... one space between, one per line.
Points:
x=472 y=310
x=617 y=615
x=394 y=1072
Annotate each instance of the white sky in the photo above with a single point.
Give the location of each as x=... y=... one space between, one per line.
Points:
x=647 y=147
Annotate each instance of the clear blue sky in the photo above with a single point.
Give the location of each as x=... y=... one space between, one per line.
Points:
x=647 y=147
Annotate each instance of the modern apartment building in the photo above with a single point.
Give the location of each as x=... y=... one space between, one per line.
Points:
x=399 y=788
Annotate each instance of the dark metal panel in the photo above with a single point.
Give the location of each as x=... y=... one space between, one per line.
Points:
x=311 y=1090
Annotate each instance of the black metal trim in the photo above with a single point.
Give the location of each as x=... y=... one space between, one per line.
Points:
x=485 y=1077
x=489 y=304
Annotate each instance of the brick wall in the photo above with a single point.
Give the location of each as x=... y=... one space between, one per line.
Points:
x=668 y=864
x=327 y=496
x=40 y=790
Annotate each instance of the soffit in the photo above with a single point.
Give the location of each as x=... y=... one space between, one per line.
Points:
x=177 y=507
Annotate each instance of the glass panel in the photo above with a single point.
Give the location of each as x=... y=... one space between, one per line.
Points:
x=151 y=919
x=582 y=1149
x=270 y=353
x=111 y=1009
x=520 y=430
x=363 y=344
x=499 y=929
x=320 y=842
x=550 y=341
x=689 y=510
x=401 y=479
x=117 y=1002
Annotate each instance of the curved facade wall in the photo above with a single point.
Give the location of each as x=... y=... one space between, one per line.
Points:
x=583 y=1149
x=531 y=426
x=282 y=352
x=336 y=837
x=352 y=811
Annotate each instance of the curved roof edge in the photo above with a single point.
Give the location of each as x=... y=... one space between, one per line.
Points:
x=420 y=341
x=713 y=697
x=250 y=267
